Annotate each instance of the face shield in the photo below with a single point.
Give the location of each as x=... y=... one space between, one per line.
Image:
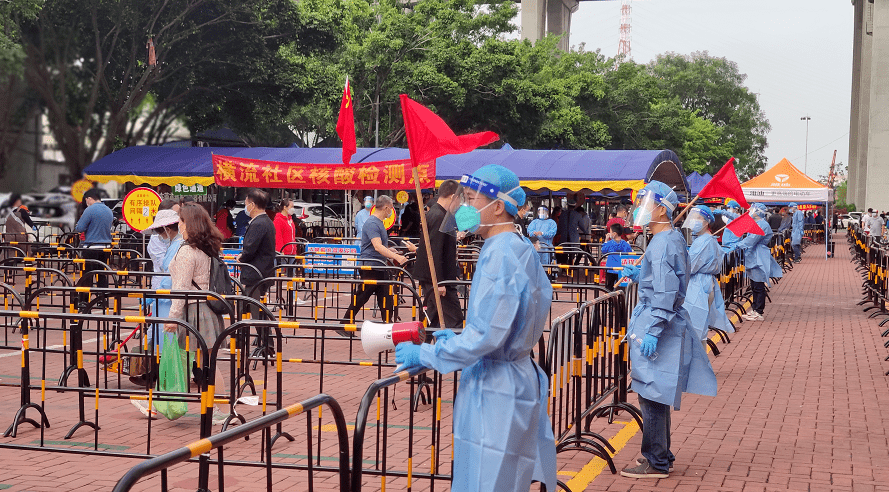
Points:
x=696 y=221
x=757 y=212
x=645 y=204
x=542 y=213
x=472 y=197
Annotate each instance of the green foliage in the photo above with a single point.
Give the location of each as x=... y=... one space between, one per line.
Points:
x=12 y=12
x=840 y=194
x=713 y=88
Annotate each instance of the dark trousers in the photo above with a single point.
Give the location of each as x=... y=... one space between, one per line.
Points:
x=759 y=296
x=361 y=295
x=256 y=292
x=656 y=434
x=797 y=252
x=450 y=306
x=89 y=266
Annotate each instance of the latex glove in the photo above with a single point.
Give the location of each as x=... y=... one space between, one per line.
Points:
x=407 y=355
x=717 y=212
x=649 y=345
x=442 y=335
x=631 y=272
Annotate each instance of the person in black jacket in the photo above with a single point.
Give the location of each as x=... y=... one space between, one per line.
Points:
x=444 y=257
x=259 y=245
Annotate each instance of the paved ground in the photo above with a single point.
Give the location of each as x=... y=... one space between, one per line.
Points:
x=798 y=409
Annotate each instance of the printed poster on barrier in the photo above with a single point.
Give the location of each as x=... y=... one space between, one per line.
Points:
x=614 y=261
x=339 y=254
x=230 y=257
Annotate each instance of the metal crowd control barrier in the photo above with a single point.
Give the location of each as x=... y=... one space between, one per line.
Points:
x=28 y=317
x=589 y=366
x=203 y=447
x=381 y=463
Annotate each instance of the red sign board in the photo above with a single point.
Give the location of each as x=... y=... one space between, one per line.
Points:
x=384 y=175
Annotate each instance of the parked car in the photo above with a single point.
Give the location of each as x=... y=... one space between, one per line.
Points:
x=310 y=215
x=852 y=218
x=53 y=217
x=843 y=220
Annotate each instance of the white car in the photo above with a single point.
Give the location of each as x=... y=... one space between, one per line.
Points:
x=852 y=218
x=310 y=215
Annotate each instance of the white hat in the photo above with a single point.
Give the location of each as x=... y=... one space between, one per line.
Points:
x=164 y=218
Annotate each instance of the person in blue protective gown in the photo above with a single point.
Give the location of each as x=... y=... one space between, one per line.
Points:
x=503 y=439
x=798 y=223
x=731 y=212
x=703 y=298
x=759 y=265
x=666 y=357
x=362 y=216
x=541 y=231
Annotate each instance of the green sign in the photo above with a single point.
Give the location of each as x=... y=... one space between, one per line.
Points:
x=196 y=189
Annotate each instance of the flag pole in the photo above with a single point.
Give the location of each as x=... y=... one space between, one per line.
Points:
x=428 y=246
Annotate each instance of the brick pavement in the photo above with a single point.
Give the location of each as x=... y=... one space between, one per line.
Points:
x=798 y=409
x=800 y=397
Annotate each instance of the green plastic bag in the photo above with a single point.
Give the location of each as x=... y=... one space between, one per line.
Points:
x=172 y=377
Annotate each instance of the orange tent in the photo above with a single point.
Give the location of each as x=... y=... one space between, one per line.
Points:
x=784 y=183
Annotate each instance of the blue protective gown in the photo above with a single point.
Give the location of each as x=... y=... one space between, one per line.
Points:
x=729 y=239
x=548 y=229
x=162 y=306
x=682 y=365
x=759 y=265
x=502 y=434
x=360 y=218
x=703 y=299
x=796 y=233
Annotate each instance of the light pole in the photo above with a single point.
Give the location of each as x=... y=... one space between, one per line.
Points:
x=806 y=162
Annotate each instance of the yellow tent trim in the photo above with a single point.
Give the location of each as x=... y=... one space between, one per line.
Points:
x=153 y=180
x=633 y=184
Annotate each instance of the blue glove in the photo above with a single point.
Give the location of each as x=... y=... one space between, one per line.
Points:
x=717 y=212
x=408 y=356
x=649 y=345
x=442 y=335
x=631 y=272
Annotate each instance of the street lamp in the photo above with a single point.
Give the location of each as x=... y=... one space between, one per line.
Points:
x=806 y=162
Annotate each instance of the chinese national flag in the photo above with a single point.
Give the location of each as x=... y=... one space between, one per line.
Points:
x=345 y=125
x=745 y=223
x=725 y=184
x=429 y=137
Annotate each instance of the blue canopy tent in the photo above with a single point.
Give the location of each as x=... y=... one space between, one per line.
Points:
x=696 y=182
x=618 y=172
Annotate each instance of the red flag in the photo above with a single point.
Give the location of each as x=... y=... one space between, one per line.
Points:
x=745 y=223
x=429 y=137
x=345 y=125
x=725 y=184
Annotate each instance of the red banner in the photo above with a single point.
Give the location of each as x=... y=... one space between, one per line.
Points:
x=383 y=175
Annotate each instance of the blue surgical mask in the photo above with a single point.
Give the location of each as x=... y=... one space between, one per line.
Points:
x=368 y=204
x=696 y=228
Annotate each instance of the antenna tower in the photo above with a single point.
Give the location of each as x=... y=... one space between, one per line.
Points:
x=623 y=48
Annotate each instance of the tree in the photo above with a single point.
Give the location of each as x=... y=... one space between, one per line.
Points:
x=16 y=105
x=713 y=88
x=87 y=61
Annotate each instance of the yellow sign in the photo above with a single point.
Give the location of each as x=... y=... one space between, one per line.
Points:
x=140 y=207
x=402 y=196
x=79 y=188
x=390 y=220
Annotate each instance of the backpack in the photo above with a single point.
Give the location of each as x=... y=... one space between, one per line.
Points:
x=221 y=283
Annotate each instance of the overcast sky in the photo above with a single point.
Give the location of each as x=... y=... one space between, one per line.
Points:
x=797 y=55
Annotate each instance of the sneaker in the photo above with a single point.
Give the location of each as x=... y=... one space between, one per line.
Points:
x=753 y=316
x=645 y=460
x=142 y=405
x=301 y=302
x=643 y=470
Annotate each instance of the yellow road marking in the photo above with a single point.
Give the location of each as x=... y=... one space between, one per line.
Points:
x=592 y=469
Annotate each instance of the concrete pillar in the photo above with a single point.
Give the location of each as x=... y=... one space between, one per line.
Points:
x=853 y=160
x=558 y=19
x=533 y=19
x=864 y=105
x=877 y=179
